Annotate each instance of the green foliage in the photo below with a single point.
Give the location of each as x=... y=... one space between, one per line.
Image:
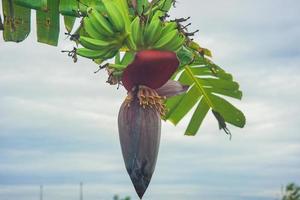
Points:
x=17 y=17
x=209 y=84
x=292 y=192
x=69 y=7
x=116 y=197
x=34 y=4
x=16 y=21
x=48 y=23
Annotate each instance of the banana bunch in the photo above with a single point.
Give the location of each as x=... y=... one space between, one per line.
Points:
x=113 y=29
x=155 y=34
x=106 y=30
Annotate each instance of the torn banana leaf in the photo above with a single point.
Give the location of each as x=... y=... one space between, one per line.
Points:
x=16 y=22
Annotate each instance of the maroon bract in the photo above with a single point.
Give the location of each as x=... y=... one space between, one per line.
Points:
x=150 y=68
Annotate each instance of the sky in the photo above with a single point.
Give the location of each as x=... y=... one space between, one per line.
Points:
x=58 y=120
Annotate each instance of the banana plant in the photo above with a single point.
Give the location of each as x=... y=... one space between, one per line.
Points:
x=164 y=71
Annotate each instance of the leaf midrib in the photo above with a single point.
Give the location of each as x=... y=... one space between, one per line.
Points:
x=198 y=85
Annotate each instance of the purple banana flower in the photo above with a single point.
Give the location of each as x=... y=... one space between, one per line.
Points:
x=147 y=82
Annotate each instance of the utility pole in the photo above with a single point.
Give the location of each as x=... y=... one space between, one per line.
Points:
x=41 y=192
x=81 y=191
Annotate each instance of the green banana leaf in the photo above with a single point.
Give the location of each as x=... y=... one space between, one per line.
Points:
x=16 y=22
x=69 y=7
x=34 y=4
x=76 y=8
x=17 y=15
x=48 y=23
x=208 y=84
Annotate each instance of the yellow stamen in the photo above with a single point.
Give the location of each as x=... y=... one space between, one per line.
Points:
x=149 y=97
x=128 y=99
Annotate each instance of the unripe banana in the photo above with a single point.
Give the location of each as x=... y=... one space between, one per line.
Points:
x=169 y=26
x=125 y=12
x=174 y=44
x=134 y=29
x=81 y=30
x=153 y=32
x=88 y=53
x=110 y=54
x=130 y=43
x=157 y=15
x=100 y=23
x=95 y=44
x=90 y=29
x=137 y=32
x=180 y=43
x=115 y=15
x=167 y=38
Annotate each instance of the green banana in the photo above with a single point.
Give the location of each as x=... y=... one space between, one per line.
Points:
x=90 y=29
x=179 y=44
x=110 y=54
x=100 y=23
x=169 y=26
x=137 y=32
x=88 y=53
x=80 y=30
x=115 y=15
x=174 y=44
x=153 y=32
x=95 y=44
x=125 y=11
x=117 y=66
x=167 y=38
x=156 y=15
x=130 y=43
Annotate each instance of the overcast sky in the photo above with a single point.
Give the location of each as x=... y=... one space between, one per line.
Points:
x=58 y=120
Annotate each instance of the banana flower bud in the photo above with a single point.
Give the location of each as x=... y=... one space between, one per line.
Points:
x=147 y=82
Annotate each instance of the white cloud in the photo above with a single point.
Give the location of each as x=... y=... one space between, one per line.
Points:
x=45 y=162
